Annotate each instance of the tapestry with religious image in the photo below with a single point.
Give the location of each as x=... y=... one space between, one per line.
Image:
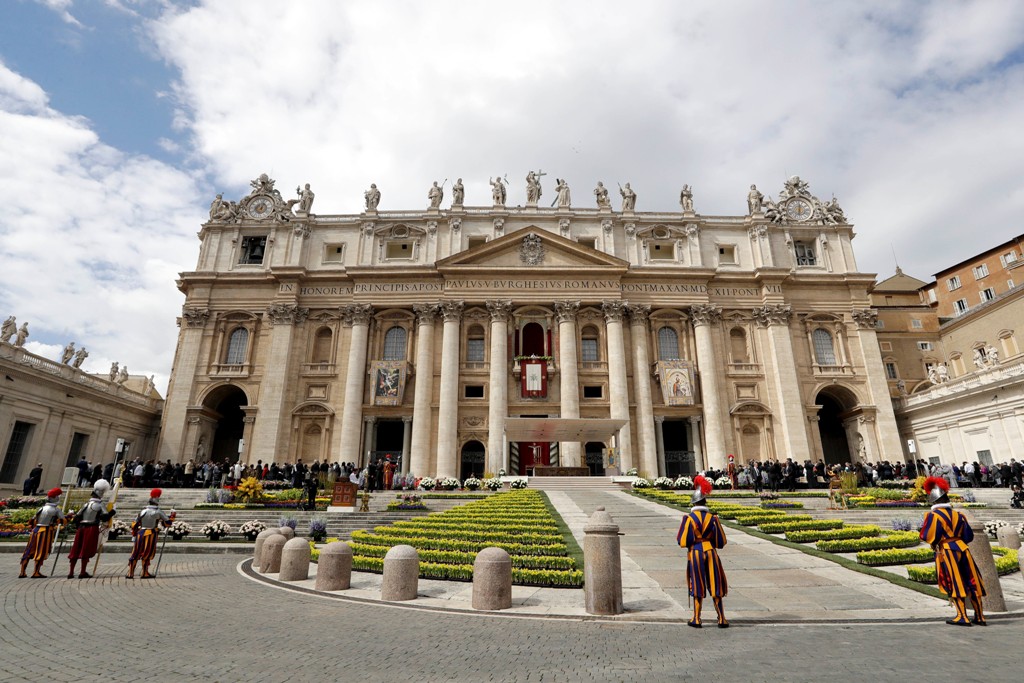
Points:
x=676 y=382
x=388 y=378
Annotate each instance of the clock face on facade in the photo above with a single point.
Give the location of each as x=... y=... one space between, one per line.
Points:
x=261 y=207
x=799 y=210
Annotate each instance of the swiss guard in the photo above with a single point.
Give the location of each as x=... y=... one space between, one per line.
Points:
x=948 y=532
x=88 y=521
x=44 y=530
x=702 y=535
x=146 y=531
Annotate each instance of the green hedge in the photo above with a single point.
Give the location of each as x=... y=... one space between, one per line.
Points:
x=765 y=518
x=1006 y=563
x=899 y=539
x=497 y=536
x=452 y=496
x=454 y=557
x=781 y=505
x=881 y=558
x=464 y=572
x=845 y=532
x=815 y=524
x=539 y=527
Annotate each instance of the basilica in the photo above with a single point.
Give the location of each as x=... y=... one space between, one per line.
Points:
x=461 y=340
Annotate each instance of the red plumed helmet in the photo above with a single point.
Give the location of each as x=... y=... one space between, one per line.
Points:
x=701 y=482
x=156 y=493
x=55 y=492
x=932 y=482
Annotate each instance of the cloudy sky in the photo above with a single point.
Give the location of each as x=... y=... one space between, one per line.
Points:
x=120 y=119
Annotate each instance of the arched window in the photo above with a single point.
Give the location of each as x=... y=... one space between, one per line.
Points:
x=589 y=347
x=475 y=345
x=237 y=344
x=738 y=345
x=394 y=344
x=322 y=345
x=824 y=350
x=668 y=344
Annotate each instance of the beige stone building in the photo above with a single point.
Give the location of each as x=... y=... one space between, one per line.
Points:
x=52 y=413
x=432 y=334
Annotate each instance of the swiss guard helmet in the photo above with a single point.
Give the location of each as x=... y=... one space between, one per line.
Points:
x=701 y=488
x=937 y=489
x=100 y=488
x=154 y=496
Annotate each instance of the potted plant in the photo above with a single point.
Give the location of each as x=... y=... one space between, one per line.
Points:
x=216 y=529
x=179 y=530
x=252 y=528
x=120 y=527
x=493 y=484
x=318 y=529
x=472 y=483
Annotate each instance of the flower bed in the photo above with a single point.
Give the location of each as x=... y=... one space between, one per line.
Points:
x=454 y=496
x=781 y=504
x=883 y=504
x=518 y=522
x=845 y=532
x=19 y=502
x=894 y=539
x=758 y=520
x=1006 y=563
x=406 y=502
x=890 y=556
x=813 y=524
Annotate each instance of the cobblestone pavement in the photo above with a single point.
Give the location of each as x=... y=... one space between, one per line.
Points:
x=202 y=621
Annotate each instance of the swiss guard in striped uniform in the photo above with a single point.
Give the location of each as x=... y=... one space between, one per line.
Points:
x=146 y=531
x=87 y=535
x=44 y=530
x=702 y=535
x=948 y=532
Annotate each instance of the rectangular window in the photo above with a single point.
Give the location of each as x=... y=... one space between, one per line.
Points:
x=924 y=346
x=588 y=350
x=890 y=371
x=474 y=391
x=399 y=250
x=472 y=242
x=1009 y=284
x=334 y=253
x=953 y=283
x=980 y=271
x=1008 y=258
x=16 y=447
x=588 y=242
x=960 y=306
x=805 y=254
x=592 y=391
x=727 y=255
x=931 y=296
x=475 y=350
x=987 y=294
x=78 y=442
x=662 y=251
x=916 y=324
x=885 y=346
x=253 y=249
x=984 y=457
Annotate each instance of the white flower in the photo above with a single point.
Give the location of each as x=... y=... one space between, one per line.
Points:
x=641 y=483
x=180 y=528
x=494 y=483
x=216 y=527
x=723 y=481
x=683 y=483
x=664 y=482
x=252 y=527
x=518 y=484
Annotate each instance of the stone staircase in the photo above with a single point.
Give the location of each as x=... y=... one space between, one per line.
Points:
x=573 y=484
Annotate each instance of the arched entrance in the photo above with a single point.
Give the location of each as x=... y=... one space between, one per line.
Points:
x=835 y=403
x=226 y=405
x=472 y=460
x=594 y=458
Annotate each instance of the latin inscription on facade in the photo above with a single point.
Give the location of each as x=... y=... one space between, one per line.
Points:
x=591 y=285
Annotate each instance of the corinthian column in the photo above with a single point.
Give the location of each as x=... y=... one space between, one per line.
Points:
x=617 y=388
x=422 y=416
x=448 y=408
x=638 y=314
x=703 y=317
x=888 y=436
x=569 y=383
x=357 y=317
x=788 y=401
x=267 y=442
x=186 y=361
x=498 y=409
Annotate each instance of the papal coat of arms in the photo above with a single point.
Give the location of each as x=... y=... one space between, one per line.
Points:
x=532 y=251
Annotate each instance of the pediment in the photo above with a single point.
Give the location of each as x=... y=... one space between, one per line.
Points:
x=532 y=248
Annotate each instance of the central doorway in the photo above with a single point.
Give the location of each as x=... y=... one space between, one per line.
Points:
x=835 y=445
x=227 y=403
x=471 y=462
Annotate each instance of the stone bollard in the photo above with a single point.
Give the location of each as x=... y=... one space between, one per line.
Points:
x=295 y=560
x=334 y=570
x=492 y=579
x=287 y=532
x=981 y=549
x=401 y=574
x=261 y=538
x=270 y=558
x=1007 y=537
x=1020 y=560
x=602 y=565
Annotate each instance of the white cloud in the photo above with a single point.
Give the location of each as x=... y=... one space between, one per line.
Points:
x=896 y=108
x=91 y=238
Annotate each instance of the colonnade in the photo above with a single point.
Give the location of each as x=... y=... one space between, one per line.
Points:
x=649 y=456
